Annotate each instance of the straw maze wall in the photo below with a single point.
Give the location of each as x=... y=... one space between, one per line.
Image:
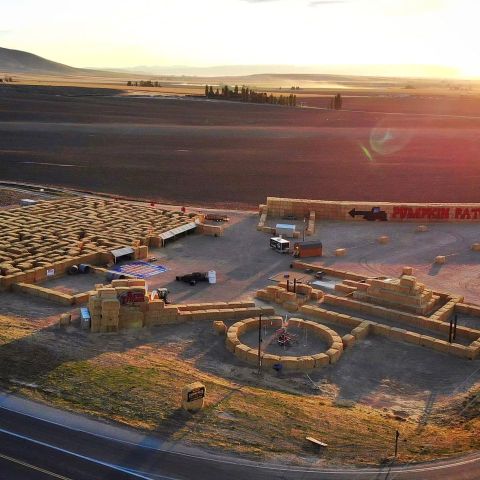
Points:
x=125 y=305
x=359 y=211
x=289 y=363
x=61 y=233
x=437 y=321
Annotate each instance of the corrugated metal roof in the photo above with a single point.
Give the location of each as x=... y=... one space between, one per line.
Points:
x=120 y=252
x=178 y=230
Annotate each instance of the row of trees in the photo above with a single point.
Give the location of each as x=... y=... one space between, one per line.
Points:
x=336 y=102
x=143 y=83
x=248 y=95
x=6 y=80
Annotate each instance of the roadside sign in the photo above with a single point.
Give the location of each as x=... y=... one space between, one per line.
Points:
x=196 y=394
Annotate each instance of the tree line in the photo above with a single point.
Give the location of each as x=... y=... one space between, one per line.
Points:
x=248 y=95
x=143 y=83
x=6 y=80
x=336 y=102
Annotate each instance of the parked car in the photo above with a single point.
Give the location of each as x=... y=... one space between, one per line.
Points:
x=193 y=278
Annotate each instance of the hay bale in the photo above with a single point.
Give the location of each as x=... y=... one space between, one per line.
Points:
x=383 y=240
x=421 y=228
x=340 y=252
x=65 y=319
x=476 y=247
x=193 y=396
x=219 y=327
x=440 y=259
x=407 y=271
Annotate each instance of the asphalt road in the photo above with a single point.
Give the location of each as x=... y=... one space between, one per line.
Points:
x=35 y=449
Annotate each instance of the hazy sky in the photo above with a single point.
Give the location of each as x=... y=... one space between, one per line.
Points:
x=107 y=33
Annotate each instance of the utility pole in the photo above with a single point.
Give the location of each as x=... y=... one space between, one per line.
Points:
x=455 y=327
x=397 y=435
x=259 y=343
x=450 y=331
x=304 y=222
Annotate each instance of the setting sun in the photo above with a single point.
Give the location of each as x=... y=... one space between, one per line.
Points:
x=441 y=34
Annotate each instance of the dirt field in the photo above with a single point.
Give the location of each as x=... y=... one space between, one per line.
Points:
x=219 y=153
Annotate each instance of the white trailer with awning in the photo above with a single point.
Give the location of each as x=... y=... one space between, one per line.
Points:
x=285 y=229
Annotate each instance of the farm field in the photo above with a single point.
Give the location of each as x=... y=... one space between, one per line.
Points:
x=216 y=153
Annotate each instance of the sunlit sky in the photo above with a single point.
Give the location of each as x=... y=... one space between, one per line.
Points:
x=106 y=33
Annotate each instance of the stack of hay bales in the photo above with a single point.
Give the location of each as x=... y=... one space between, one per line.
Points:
x=311 y=224
x=407 y=271
x=121 y=306
x=404 y=293
x=290 y=300
x=219 y=327
x=110 y=310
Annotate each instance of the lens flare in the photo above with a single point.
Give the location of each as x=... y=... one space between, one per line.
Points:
x=366 y=151
x=387 y=139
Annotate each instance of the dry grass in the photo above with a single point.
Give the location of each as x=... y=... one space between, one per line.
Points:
x=139 y=384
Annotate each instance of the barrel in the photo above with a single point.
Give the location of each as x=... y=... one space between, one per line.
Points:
x=73 y=270
x=212 y=276
x=115 y=276
x=84 y=268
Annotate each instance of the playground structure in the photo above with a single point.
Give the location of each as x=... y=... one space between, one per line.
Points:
x=403 y=309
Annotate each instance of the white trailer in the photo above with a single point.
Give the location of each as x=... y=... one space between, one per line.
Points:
x=285 y=230
x=279 y=244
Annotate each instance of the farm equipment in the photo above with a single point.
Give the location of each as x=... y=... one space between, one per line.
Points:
x=214 y=217
x=193 y=278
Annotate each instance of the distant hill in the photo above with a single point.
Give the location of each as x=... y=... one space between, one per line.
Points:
x=351 y=71
x=18 y=61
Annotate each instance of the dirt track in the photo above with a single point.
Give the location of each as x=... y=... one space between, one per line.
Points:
x=218 y=153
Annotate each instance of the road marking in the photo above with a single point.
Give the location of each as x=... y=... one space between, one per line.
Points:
x=33 y=467
x=463 y=461
x=78 y=455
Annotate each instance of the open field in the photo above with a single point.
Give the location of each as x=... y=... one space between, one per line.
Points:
x=219 y=153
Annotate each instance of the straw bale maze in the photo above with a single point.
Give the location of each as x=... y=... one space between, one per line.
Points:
x=55 y=235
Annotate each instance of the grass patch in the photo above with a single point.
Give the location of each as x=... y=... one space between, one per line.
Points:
x=138 y=383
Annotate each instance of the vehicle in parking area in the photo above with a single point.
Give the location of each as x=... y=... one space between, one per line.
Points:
x=193 y=278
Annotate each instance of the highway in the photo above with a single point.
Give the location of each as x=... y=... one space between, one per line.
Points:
x=59 y=445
